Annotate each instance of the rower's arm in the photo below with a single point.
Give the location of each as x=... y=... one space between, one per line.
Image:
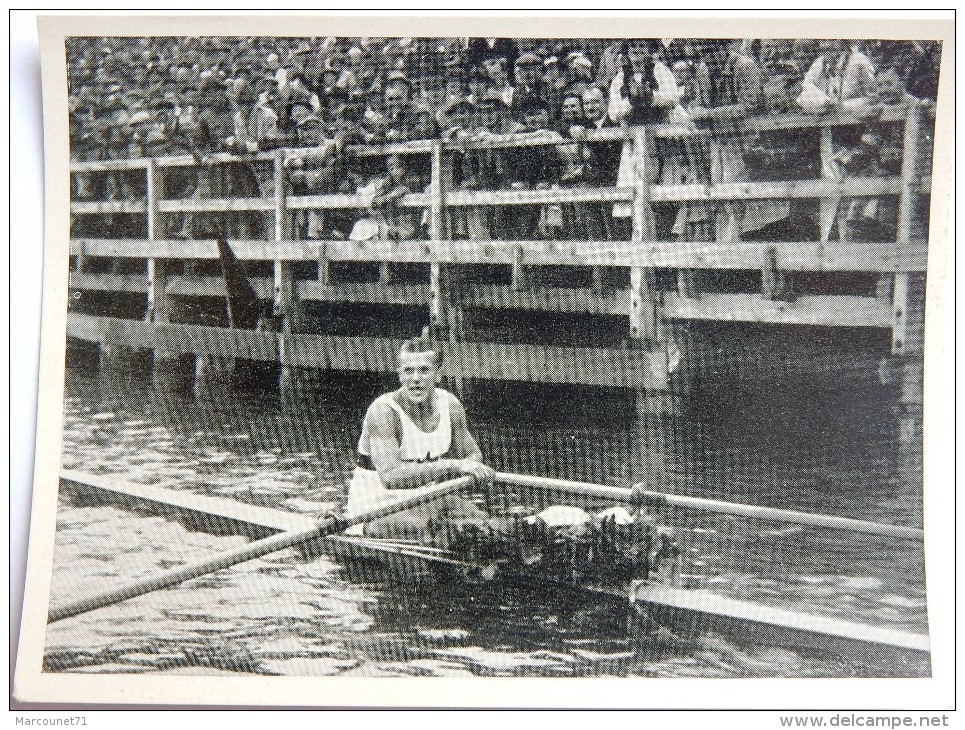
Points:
x=384 y=451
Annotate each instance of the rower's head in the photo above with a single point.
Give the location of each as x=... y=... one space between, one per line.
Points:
x=420 y=362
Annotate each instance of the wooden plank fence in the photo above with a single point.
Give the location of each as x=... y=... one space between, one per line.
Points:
x=446 y=292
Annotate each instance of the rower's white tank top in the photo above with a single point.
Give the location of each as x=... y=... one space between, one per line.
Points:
x=417 y=445
x=366 y=490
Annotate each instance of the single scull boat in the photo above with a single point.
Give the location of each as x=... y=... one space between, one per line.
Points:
x=685 y=605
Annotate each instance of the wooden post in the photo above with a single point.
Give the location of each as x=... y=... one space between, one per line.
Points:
x=652 y=408
x=284 y=290
x=281 y=206
x=773 y=281
x=644 y=308
x=286 y=377
x=167 y=367
x=828 y=207
x=518 y=279
x=157 y=300
x=446 y=308
x=651 y=405
x=80 y=257
x=212 y=374
x=157 y=308
x=908 y=307
x=323 y=264
x=437 y=315
x=901 y=300
x=284 y=293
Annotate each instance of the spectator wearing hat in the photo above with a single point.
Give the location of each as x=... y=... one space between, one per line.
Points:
x=314 y=175
x=313 y=73
x=570 y=113
x=373 y=116
x=215 y=131
x=272 y=66
x=492 y=118
x=554 y=83
x=579 y=72
x=459 y=122
x=644 y=91
x=683 y=159
x=426 y=124
x=111 y=135
x=536 y=167
x=367 y=70
x=84 y=185
x=780 y=154
x=344 y=80
x=292 y=113
x=455 y=90
x=601 y=162
x=479 y=50
x=919 y=62
x=400 y=118
x=432 y=94
x=182 y=133
x=478 y=85
x=493 y=115
x=173 y=120
x=112 y=140
x=528 y=74
x=734 y=92
x=296 y=91
x=782 y=76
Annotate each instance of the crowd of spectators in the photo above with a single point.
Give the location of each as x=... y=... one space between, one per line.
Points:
x=134 y=97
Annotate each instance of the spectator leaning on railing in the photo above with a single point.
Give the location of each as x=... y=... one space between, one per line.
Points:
x=782 y=154
x=733 y=92
x=644 y=91
x=533 y=168
x=877 y=152
x=158 y=96
x=317 y=174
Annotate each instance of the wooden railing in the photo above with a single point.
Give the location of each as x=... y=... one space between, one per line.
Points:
x=642 y=254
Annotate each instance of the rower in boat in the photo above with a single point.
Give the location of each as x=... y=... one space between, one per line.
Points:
x=412 y=437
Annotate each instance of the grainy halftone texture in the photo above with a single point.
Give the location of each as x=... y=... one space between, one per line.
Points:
x=692 y=265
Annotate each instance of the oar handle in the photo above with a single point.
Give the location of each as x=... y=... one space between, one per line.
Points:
x=247 y=552
x=621 y=494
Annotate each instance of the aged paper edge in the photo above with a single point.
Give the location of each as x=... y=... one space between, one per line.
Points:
x=34 y=686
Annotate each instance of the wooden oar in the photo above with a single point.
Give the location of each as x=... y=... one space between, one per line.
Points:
x=621 y=494
x=247 y=552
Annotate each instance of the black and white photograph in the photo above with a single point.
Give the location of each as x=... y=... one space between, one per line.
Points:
x=452 y=354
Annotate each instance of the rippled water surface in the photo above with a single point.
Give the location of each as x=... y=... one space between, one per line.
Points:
x=294 y=613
